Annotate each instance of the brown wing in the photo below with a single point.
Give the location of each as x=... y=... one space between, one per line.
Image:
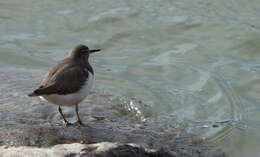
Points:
x=54 y=70
x=65 y=81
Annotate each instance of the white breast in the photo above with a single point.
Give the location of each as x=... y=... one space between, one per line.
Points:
x=71 y=99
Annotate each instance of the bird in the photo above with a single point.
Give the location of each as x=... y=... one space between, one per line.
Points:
x=69 y=81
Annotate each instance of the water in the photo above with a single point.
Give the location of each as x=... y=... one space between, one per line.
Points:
x=196 y=60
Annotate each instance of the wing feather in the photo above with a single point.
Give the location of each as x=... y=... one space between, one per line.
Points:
x=65 y=81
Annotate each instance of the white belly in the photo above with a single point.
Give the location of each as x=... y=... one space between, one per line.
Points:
x=71 y=99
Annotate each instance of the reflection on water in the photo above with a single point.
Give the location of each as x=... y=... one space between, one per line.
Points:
x=196 y=60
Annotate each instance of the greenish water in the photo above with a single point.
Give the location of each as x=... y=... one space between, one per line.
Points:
x=194 y=59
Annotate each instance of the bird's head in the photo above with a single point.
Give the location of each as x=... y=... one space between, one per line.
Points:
x=81 y=52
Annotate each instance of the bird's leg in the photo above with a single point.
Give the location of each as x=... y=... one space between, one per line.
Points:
x=65 y=120
x=77 y=112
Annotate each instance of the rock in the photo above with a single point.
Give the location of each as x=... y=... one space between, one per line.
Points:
x=55 y=139
x=87 y=141
x=103 y=149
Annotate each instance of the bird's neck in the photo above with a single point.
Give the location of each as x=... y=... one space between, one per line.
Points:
x=84 y=63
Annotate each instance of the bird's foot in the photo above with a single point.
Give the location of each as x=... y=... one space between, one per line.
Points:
x=68 y=123
x=79 y=123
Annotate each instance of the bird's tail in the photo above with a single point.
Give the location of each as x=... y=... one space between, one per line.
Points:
x=35 y=92
x=32 y=94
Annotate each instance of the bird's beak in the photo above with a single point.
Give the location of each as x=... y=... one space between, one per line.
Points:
x=93 y=51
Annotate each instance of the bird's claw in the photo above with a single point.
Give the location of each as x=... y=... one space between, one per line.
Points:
x=68 y=123
x=79 y=123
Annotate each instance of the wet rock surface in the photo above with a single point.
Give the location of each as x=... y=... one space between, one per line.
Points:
x=103 y=149
x=50 y=140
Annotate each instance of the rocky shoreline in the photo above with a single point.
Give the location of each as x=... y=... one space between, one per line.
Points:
x=103 y=149
x=97 y=140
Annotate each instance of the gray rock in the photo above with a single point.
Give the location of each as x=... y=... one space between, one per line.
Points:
x=103 y=149
x=87 y=141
